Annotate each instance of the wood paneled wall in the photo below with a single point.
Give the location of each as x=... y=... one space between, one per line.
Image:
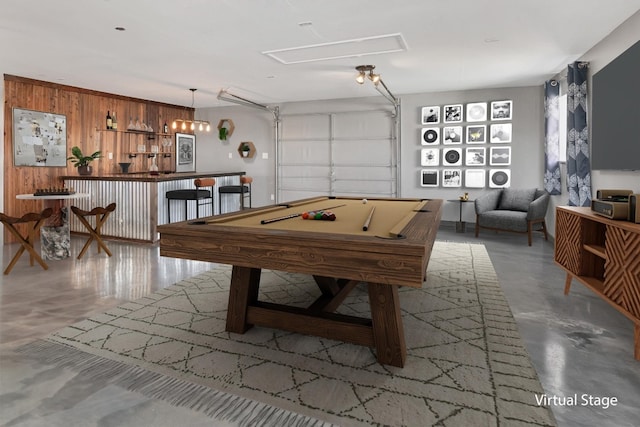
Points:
x=86 y=112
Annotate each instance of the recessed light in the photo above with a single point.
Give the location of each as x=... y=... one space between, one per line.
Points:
x=120 y=29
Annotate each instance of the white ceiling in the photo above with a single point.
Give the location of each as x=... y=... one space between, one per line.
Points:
x=170 y=46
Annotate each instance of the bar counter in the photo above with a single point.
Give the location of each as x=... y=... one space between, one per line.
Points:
x=147 y=177
x=141 y=202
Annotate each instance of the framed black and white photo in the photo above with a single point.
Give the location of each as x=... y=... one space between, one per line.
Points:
x=430 y=157
x=452 y=178
x=452 y=135
x=499 y=178
x=502 y=110
x=500 y=156
x=475 y=156
x=500 y=133
x=431 y=115
x=39 y=138
x=477 y=112
x=430 y=136
x=474 y=178
x=185 y=152
x=452 y=156
x=476 y=134
x=452 y=113
x=429 y=177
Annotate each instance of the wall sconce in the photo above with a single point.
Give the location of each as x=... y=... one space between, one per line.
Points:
x=192 y=124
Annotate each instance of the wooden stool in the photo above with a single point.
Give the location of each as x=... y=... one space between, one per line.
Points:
x=34 y=221
x=242 y=189
x=101 y=215
x=192 y=194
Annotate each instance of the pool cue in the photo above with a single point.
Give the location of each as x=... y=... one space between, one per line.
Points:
x=282 y=218
x=365 y=227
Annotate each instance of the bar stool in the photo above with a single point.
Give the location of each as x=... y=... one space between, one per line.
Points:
x=192 y=194
x=34 y=221
x=101 y=215
x=242 y=189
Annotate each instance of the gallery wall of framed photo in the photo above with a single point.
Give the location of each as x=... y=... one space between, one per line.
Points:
x=466 y=145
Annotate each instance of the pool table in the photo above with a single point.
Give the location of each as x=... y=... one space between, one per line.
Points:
x=383 y=242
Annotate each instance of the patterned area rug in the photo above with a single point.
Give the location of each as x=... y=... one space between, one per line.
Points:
x=466 y=364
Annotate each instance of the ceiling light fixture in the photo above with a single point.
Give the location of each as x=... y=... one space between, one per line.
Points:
x=363 y=74
x=377 y=82
x=201 y=124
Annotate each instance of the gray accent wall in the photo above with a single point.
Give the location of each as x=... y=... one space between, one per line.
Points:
x=527 y=146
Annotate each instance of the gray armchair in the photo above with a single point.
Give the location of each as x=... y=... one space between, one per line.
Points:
x=516 y=210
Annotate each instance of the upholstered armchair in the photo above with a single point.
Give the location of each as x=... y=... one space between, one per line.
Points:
x=516 y=210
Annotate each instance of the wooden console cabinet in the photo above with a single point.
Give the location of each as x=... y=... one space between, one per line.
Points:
x=604 y=255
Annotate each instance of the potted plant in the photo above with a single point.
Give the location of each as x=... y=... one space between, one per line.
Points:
x=81 y=161
x=222 y=133
x=245 y=149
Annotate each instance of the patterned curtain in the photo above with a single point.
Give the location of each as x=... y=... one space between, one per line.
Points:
x=552 y=181
x=578 y=164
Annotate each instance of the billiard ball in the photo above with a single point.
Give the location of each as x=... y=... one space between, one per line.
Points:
x=364 y=201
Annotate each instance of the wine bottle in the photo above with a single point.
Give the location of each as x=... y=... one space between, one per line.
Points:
x=165 y=128
x=114 y=122
x=109 y=120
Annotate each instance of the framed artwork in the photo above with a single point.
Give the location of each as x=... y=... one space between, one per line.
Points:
x=477 y=112
x=429 y=177
x=452 y=178
x=452 y=157
x=185 y=152
x=477 y=134
x=500 y=133
x=39 y=139
x=499 y=178
x=475 y=156
x=502 y=110
x=452 y=113
x=431 y=115
x=500 y=156
x=452 y=135
x=474 y=178
x=430 y=136
x=430 y=157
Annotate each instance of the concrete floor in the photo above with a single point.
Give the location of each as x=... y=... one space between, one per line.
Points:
x=578 y=343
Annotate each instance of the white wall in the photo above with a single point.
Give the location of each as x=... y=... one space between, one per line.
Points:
x=250 y=125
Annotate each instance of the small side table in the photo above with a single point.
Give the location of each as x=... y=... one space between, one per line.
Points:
x=460 y=225
x=55 y=235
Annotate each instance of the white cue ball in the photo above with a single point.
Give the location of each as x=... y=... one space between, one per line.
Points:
x=364 y=201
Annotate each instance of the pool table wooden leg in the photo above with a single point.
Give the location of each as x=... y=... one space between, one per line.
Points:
x=245 y=282
x=388 y=332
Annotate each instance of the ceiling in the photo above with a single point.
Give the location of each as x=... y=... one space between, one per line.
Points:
x=170 y=46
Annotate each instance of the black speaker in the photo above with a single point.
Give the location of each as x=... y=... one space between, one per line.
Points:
x=634 y=208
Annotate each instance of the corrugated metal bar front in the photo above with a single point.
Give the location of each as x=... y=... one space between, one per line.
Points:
x=132 y=218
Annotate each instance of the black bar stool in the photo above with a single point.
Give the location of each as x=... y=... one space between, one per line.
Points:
x=244 y=190
x=202 y=197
